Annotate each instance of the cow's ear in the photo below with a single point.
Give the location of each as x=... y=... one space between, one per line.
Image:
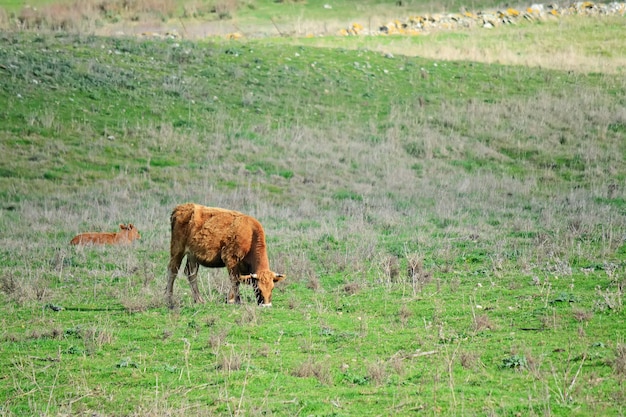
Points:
x=247 y=277
x=279 y=277
x=130 y=226
x=122 y=226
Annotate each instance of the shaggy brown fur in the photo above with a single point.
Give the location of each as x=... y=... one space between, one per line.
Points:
x=217 y=238
x=126 y=235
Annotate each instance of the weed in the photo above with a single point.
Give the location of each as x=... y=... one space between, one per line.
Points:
x=518 y=362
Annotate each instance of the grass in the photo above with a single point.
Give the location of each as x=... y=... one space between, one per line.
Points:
x=452 y=231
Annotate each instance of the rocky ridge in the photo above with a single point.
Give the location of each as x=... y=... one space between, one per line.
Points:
x=416 y=25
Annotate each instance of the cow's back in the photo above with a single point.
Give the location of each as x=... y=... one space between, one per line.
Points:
x=200 y=229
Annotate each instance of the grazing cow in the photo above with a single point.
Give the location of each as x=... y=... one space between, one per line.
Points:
x=216 y=238
x=126 y=235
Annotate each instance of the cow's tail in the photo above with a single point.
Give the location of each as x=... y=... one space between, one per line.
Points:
x=181 y=216
x=179 y=222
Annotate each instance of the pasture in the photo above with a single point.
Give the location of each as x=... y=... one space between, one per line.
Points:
x=453 y=232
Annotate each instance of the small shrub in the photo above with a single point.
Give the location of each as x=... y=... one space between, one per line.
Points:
x=515 y=362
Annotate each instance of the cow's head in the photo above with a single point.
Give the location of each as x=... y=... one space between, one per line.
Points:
x=263 y=283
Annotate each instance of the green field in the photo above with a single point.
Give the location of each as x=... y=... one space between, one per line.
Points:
x=453 y=231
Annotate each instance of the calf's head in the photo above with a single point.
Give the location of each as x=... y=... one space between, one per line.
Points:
x=263 y=283
x=130 y=232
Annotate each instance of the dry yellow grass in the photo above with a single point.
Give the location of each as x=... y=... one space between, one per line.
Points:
x=574 y=43
x=556 y=45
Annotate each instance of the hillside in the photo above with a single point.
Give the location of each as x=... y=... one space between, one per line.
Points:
x=453 y=232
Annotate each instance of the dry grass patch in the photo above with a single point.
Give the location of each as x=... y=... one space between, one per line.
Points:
x=217 y=340
x=619 y=362
x=482 y=322
x=230 y=361
x=313 y=283
x=377 y=372
x=311 y=368
x=352 y=288
x=417 y=275
x=581 y=44
x=391 y=267
x=84 y=15
x=404 y=314
x=582 y=315
x=470 y=360
x=24 y=290
x=249 y=315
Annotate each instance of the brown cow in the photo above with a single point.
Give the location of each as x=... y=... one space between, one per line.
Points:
x=216 y=238
x=126 y=235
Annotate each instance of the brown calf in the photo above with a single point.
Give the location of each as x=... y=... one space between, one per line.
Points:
x=217 y=238
x=126 y=235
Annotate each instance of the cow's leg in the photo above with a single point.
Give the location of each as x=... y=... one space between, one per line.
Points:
x=172 y=271
x=233 y=295
x=191 y=270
